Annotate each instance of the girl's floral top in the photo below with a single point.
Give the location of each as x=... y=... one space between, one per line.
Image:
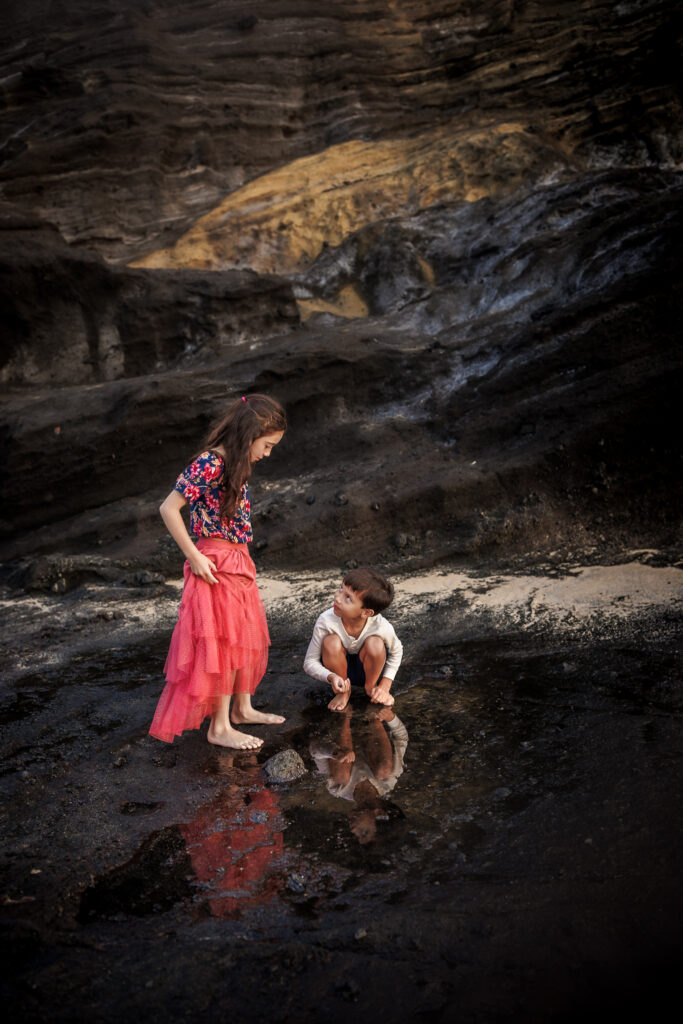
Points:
x=199 y=484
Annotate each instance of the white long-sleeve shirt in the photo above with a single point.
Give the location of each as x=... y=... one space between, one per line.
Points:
x=375 y=625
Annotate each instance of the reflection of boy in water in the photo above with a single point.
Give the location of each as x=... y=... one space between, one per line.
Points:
x=365 y=775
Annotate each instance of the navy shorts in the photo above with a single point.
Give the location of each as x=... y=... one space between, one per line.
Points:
x=354 y=669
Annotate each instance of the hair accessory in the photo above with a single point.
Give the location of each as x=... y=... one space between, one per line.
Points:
x=243 y=398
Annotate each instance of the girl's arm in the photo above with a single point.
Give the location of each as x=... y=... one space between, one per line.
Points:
x=170 y=513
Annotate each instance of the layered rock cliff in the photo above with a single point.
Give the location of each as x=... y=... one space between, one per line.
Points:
x=124 y=121
x=444 y=234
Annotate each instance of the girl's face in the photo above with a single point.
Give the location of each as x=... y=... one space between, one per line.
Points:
x=263 y=446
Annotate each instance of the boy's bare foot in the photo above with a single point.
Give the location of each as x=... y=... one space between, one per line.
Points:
x=380 y=695
x=339 y=701
x=253 y=717
x=232 y=738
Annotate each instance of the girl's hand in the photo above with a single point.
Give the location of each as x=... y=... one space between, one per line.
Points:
x=203 y=567
x=338 y=684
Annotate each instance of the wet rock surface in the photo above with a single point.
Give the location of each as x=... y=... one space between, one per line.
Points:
x=515 y=858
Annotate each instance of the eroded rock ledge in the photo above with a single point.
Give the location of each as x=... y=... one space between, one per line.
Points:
x=72 y=319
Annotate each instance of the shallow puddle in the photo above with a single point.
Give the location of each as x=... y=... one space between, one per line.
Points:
x=397 y=796
x=480 y=837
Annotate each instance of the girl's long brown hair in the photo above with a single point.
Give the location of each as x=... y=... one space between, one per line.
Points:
x=246 y=420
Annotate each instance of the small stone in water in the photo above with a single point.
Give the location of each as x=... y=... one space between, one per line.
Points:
x=284 y=766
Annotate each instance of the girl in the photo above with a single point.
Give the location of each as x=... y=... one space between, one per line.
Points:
x=219 y=647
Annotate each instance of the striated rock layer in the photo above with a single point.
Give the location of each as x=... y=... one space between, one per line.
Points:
x=527 y=399
x=71 y=318
x=122 y=121
x=283 y=220
x=444 y=234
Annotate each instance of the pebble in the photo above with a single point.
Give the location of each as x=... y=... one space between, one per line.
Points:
x=284 y=766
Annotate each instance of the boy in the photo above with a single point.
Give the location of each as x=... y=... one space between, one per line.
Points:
x=353 y=644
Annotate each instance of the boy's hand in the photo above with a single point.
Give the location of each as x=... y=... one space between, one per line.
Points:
x=381 y=695
x=380 y=714
x=345 y=757
x=338 y=684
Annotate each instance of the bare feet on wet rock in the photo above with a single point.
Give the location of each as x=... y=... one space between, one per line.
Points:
x=339 y=701
x=251 y=716
x=233 y=739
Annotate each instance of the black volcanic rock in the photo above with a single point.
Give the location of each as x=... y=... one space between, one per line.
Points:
x=468 y=263
x=506 y=376
x=542 y=413
x=70 y=318
x=123 y=121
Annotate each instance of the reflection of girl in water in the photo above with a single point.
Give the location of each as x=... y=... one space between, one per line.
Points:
x=235 y=844
x=367 y=774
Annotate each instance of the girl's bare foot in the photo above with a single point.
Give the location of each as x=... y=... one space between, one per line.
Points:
x=254 y=717
x=339 y=702
x=233 y=739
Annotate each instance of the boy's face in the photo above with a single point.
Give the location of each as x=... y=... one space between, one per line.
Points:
x=348 y=604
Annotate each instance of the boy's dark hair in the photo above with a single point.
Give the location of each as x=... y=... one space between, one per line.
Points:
x=375 y=591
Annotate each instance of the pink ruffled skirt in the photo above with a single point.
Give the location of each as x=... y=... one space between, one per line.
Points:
x=220 y=642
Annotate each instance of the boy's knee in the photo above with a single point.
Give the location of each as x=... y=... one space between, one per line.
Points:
x=374 y=646
x=331 y=645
